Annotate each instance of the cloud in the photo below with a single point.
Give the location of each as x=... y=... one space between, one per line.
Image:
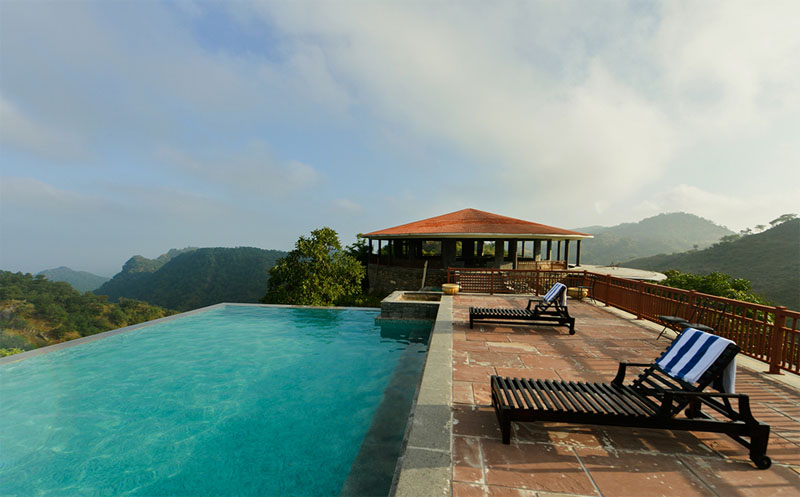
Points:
x=20 y=131
x=735 y=212
x=254 y=170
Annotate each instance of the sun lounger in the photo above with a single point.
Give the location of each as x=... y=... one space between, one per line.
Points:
x=676 y=381
x=550 y=310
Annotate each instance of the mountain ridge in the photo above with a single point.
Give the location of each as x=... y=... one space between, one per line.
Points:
x=191 y=278
x=770 y=260
x=83 y=281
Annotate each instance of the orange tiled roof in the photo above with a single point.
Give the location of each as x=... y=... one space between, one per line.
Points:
x=473 y=221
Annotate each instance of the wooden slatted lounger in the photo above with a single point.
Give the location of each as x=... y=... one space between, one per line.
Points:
x=653 y=400
x=550 y=309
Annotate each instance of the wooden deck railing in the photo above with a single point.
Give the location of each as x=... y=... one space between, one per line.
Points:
x=769 y=334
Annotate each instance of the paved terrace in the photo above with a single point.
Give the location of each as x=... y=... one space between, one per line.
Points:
x=551 y=459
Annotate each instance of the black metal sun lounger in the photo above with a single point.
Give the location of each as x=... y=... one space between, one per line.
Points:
x=653 y=400
x=550 y=309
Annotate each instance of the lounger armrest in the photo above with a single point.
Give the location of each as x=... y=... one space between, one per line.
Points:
x=535 y=299
x=665 y=409
x=620 y=378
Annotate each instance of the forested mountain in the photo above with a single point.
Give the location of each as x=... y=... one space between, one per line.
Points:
x=770 y=260
x=195 y=278
x=35 y=312
x=661 y=234
x=80 y=280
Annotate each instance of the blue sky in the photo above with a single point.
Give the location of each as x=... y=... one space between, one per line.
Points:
x=135 y=127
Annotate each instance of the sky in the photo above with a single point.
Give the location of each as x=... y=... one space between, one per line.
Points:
x=134 y=127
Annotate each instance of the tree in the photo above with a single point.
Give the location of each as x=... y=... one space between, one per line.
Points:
x=316 y=272
x=782 y=219
x=715 y=283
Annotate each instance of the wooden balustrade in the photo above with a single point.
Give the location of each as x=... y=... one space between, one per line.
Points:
x=769 y=334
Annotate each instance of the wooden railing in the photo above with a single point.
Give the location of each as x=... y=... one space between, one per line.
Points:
x=769 y=334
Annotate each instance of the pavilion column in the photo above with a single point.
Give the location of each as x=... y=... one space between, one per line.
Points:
x=468 y=248
x=379 y=251
x=549 y=250
x=499 y=252
x=558 y=251
x=566 y=252
x=448 y=252
x=578 y=254
x=537 y=250
x=512 y=252
x=479 y=248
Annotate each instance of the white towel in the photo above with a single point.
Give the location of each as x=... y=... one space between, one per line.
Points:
x=692 y=353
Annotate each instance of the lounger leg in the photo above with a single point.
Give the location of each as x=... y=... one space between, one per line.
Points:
x=759 y=438
x=572 y=326
x=470 y=321
x=505 y=430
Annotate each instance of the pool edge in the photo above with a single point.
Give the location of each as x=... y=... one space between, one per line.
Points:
x=424 y=466
x=99 y=336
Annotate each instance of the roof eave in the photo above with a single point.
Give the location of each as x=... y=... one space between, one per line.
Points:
x=485 y=236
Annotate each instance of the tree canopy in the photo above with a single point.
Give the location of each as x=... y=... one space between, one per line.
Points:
x=317 y=272
x=715 y=283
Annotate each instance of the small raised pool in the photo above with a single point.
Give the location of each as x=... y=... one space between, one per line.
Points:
x=237 y=400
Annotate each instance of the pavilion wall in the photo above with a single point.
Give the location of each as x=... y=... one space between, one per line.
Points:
x=385 y=279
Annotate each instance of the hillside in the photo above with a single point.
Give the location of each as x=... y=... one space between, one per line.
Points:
x=82 y=281
x=770 y=260
x=664 y=233
x=195 y=278
x=35 y=312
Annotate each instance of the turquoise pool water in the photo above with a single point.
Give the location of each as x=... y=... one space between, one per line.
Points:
x=244 y=401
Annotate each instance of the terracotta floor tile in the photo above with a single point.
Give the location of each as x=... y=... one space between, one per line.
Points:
x=628 y=474
x=557 y=363
x=741 y=479
x=482 y=393
x=497 y=359
x=652 y=440
x=542 y=459
x=535 y=467
x=475 y=422
x=467 y=460
x=495 y=491
x=462 y=392
x=467 y=490
x=472 y=373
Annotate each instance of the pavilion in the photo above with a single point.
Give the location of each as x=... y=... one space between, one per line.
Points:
x=418 y=254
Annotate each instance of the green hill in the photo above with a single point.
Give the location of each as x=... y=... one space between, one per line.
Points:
x=195 y=278
x=80 y=280
x=770 y=260
x=664 y=233
x=35 y=312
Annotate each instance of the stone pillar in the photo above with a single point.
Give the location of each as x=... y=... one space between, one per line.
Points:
x=549 y=250
x=479 y=248
x=578 y=254
x=512 y=252
x=468 y=248
x=499 y=252
x=448 y=252
x=537 y=250
x=558 y=251
x=566 y=252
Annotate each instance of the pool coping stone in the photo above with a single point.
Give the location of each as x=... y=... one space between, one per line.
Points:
x=424 y=467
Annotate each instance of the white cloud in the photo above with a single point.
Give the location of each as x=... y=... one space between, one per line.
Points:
x=253 y=170
x=733 y=211
x=348 y=206
x=20 y=131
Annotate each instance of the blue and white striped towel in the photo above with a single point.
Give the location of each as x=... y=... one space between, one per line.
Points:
x=550 y=295
x=692 y=353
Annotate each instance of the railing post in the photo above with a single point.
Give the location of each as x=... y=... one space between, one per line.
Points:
x=640 y=304
x=608 y=289
x=491 y=281
x=776 y=341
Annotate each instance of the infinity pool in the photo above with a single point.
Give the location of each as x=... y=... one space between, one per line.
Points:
x=238 y=400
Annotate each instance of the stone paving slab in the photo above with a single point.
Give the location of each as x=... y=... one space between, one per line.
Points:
x=553 y=459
